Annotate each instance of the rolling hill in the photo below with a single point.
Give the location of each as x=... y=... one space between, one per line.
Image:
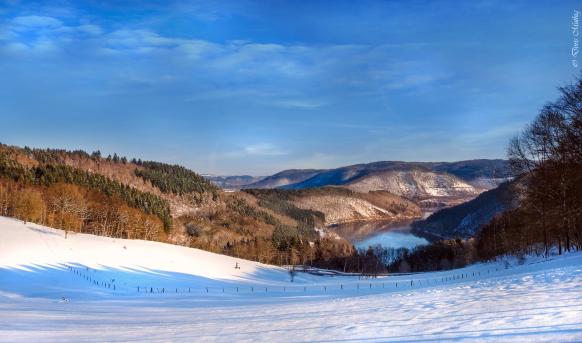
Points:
x=128 y=198
x=340 y=205
x=431 y=184
x=464 y=220
x=284 y=178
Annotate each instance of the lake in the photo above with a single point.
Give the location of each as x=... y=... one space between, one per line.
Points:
x=388 y=234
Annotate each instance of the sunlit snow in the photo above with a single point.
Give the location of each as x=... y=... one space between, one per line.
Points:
x=52 y=289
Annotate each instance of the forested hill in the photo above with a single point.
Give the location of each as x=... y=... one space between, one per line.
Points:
x=174 y=178
x=340 y=205
x=130 y=198
x=146 y=186
x=464 y=220
x=165 y=177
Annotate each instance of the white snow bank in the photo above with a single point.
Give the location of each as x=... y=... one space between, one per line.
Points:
x=540 y=300
x=39 y=257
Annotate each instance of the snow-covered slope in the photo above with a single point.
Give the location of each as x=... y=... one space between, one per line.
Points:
x=45 y=251
x=206 y=299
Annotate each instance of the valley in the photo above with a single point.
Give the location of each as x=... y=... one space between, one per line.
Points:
x=290 y=171
x=269 y=219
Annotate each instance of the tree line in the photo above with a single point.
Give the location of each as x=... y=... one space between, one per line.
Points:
x=175 y=179
x=280 y=201
x=546 y=163
x=45 y=175
x=546 y=158
x=287 y=244
x=78 y=209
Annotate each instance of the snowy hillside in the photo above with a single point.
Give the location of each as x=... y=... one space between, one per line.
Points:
x=414 y=184
x=124 y=290
x=32 y=247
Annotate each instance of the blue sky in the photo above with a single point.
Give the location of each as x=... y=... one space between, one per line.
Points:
x=254 y=87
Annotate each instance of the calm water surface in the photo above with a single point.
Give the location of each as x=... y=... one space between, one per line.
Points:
x=389 y=235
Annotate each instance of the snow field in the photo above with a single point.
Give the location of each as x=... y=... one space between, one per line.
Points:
x=540 y=300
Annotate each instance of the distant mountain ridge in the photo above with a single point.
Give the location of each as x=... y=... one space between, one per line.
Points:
x=285 y=178
x=232 y=182
x=470 y=171
x=422 y=181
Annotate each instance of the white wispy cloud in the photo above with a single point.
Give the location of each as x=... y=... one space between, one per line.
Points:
x=252 y=61
x=264 y=149
x=256 y=150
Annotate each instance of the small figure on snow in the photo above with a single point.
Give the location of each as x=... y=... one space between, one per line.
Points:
x=236 y=266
